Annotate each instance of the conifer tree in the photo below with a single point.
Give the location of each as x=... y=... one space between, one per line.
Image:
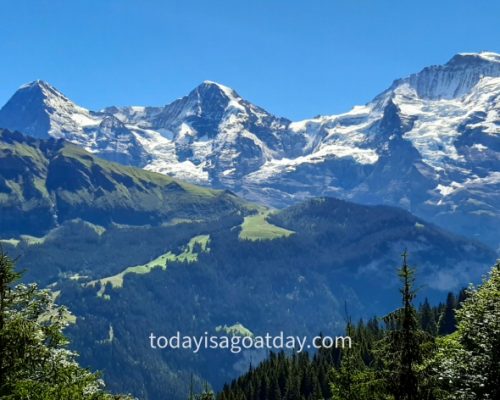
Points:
x=447 y=321
x=275 y=390
x=342 y=377
x=402 y=351
x=35 y=362
x=427 y=318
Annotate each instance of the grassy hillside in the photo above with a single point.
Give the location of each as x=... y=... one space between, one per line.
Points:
x=44 y=183
x=257 y=227
x=188 y=255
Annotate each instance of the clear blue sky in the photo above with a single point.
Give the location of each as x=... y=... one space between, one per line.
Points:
x=296 y=58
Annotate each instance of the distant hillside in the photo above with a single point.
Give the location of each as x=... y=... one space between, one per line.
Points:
x=360 y=231
x=292 y=271
x=46 y=182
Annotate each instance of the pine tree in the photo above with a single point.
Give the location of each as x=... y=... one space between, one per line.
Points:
x=462 y=296
x=427 y=318
x=447 y=322
x=275 y=390
x=34 y=360
x=402 y=350
x=342 y=377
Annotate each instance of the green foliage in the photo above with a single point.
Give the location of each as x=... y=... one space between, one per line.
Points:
x=35 y=362
x=403 y=359
x=447 y=322
x=402 y=344
x=468 y=362
x=230 y=283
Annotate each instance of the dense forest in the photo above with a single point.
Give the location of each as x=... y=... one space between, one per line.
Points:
x=451 y=351
x=294 y=284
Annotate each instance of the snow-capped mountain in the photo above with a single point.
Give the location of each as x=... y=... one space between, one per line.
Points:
x=40 y=110
x=430 y=143
x=212 y=134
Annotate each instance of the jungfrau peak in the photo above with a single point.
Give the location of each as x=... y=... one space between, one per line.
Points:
x=456 y=78
x=430 y=143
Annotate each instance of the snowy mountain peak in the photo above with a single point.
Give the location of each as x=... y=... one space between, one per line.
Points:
x=454 y=79
x=209 y=93
x=486 y=56
x=41 y=90
x=39 y=109
x=40 y=84
x=211 y=85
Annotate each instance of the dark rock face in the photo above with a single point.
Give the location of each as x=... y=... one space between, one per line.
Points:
x=26 y=112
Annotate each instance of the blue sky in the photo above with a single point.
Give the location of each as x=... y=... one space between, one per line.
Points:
x=296 y=58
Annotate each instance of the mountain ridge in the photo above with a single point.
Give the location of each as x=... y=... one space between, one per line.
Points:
x=44 y=183
x=429 y=143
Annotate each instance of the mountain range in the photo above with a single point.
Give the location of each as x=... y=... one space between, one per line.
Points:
x=430 y=143
x=132 y=252
x=98 y=207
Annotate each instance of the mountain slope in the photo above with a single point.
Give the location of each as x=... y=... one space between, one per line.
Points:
x=44 y=183
x=339 y=253
x=133 y=252
x=430 y=143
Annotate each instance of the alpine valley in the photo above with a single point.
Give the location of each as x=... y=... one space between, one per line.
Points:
x=211 y=215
